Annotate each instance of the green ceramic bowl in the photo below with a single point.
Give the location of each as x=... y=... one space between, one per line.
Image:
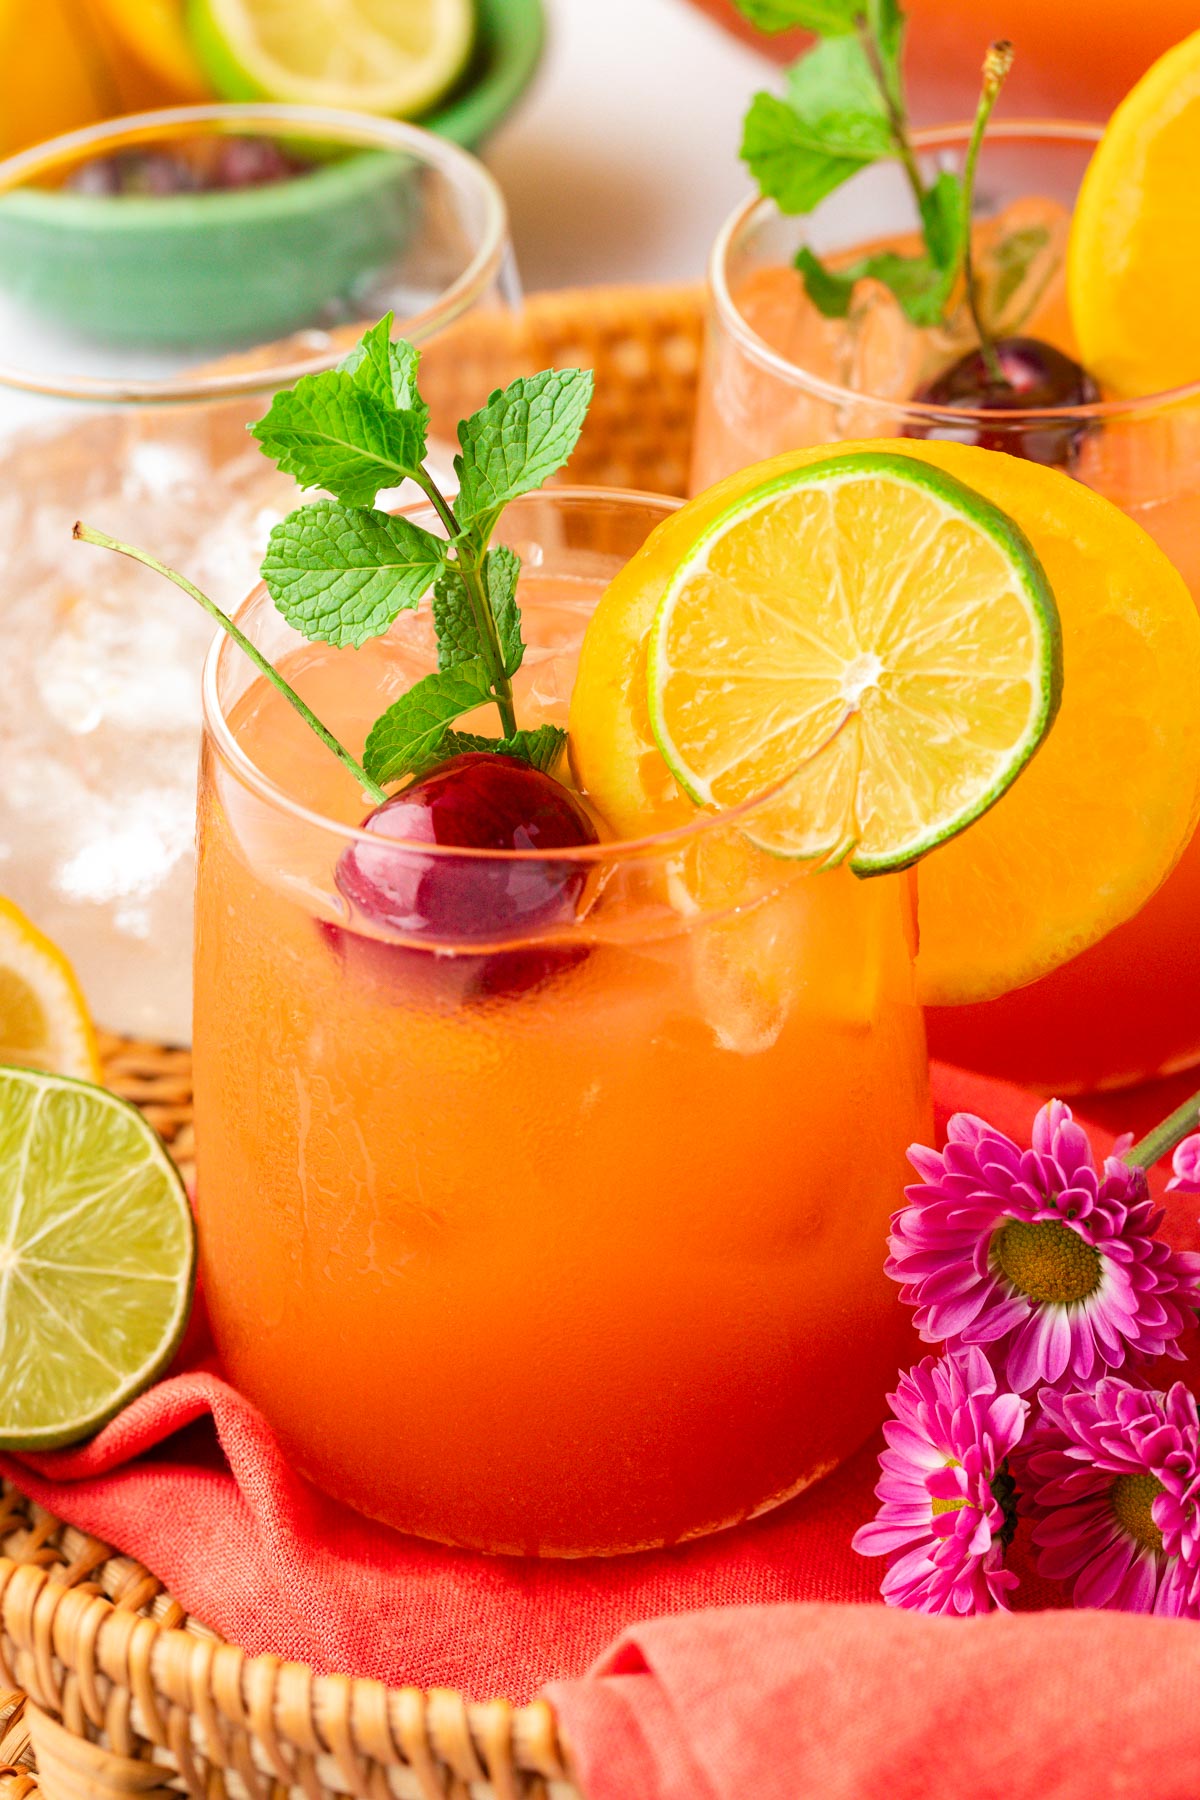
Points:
x=219 y=270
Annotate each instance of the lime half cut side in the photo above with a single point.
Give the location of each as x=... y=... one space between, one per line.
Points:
x=866 y=639
x=97 y=1258
x=397 y=58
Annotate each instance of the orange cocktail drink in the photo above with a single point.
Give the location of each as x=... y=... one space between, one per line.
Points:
x=778 y=376
x=561 y=1241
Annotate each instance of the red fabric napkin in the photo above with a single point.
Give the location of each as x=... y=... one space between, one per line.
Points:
x=852 y=1702
x=190 y=1481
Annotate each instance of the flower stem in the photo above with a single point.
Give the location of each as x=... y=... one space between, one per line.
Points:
x=481 y=606
x=1178 y=1125
x=996 y=64
x=88 y=535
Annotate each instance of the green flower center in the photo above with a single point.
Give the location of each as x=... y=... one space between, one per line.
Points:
x=1046 y=1261
x=1131 y=1497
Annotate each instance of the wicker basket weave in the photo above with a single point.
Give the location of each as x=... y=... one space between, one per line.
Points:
x=107 y=1688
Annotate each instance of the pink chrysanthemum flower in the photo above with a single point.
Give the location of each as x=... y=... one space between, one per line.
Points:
x=1185 y=1161
x=1049 y=1262
x=1111 y=1480
x=947 y=1509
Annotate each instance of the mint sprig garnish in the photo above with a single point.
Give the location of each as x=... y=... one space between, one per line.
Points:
x=340 y=570
x=844 y=109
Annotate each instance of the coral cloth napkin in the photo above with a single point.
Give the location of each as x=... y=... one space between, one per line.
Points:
x=755 y=1693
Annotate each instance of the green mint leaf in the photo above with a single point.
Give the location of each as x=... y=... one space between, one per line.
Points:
x=918 y=284
x=458 y=639
x=942 y=218
x=409 y=736
x=827 y=18
x=331 y=432
x=832 y=124
x=387 y=368
x=830 y=292
x=834 y=92
x=518 y=440
x=540 y=748
x=501 y=570
x=340 y=574
x=454 y=617
x=788 y=166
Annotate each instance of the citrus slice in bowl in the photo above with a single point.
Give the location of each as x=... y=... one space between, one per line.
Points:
x=1132 y=272
x=1062 y=855
x=398 y=59
x=871 y=622
x=44 y=1021
x=97 y=1258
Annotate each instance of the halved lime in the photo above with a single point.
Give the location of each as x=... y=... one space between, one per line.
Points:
x=868 y=632
x=97 y=1258
x=396 y=57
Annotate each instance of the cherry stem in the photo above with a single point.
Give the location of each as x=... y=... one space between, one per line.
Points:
x=996 y=65
x=88 y=535
x=1173 y=1129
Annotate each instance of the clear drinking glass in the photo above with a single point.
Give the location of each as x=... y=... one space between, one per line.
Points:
x=777 y=376
x=140 y=333
x=559 y=1242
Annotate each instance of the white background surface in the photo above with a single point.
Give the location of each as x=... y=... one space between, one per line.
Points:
x=621 y=162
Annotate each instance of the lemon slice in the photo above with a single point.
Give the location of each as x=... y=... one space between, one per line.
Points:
x=1133 y=265
x=97 y=1258
x=44 y=1022
x=873 y=624
x=396 y=57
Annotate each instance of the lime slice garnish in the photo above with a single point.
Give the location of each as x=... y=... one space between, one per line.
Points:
x=872 y=634
x=397 y=59
x=97 y=1257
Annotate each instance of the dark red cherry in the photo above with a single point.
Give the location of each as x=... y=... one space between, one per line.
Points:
x=1037 y=378
x=483 y=802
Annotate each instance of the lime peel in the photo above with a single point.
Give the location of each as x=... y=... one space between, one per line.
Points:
x=97 y=1257
x=847 y=668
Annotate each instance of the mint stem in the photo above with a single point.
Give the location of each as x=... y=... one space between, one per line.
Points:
x=893 y=101
x=481 y=607
x=996 y=65
x=87 y=535
x=1178 y=1125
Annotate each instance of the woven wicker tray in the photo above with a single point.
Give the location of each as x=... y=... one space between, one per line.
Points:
x=107 y=1687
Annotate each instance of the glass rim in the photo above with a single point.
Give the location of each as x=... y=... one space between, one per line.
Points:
x=931 y=138
x=366 y=131
x=610 y=850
